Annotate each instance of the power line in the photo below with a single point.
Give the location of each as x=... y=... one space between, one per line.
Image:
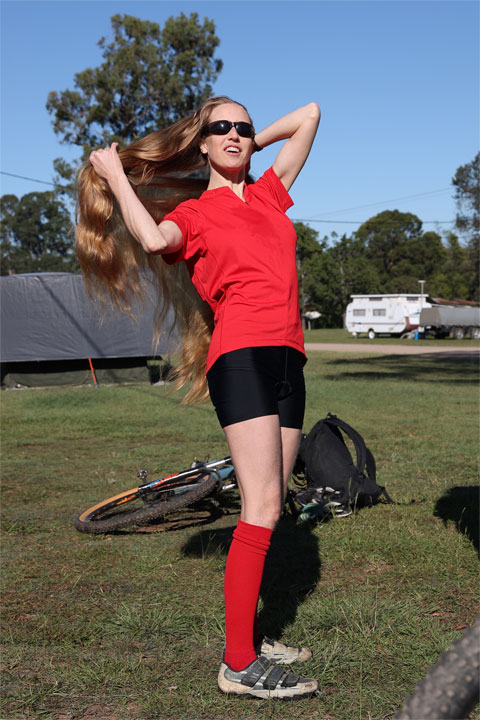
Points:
x=335 y=222
x=385 y=202
x=44 y=182
x=307 y=220
x=360 y=222
x=22 y=177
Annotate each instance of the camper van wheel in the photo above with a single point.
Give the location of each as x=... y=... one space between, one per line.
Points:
x=371 y=334
x=475 y=333
x=458 y=333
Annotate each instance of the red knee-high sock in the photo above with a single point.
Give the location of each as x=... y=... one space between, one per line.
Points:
x=243 y=576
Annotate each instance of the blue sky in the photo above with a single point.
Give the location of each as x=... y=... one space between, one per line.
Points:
x=397 y=81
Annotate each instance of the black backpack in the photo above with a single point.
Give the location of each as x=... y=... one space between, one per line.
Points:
x=333 y=480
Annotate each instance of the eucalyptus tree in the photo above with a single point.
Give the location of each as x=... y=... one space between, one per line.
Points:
x=150 y=76
x=36 y=234
x=466 y=182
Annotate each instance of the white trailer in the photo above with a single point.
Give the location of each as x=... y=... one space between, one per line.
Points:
x=384 y=314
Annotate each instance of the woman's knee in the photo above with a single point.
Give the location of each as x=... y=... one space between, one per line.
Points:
x=263 y=508
x=273 y=515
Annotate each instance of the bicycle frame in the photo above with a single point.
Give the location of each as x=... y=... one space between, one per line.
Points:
x=223 y=468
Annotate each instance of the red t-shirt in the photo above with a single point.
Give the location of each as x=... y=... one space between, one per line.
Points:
x=241 y=257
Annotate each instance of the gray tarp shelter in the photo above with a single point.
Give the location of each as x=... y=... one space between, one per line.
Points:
x=50 y=328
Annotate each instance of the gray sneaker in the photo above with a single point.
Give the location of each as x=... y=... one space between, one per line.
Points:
x=264 y=679
x=281 y=652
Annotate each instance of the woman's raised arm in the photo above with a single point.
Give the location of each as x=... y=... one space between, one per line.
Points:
x=298 y=128
x=166 y=237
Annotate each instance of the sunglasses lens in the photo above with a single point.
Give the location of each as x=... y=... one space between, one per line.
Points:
x=220 y=127
x=244 y=129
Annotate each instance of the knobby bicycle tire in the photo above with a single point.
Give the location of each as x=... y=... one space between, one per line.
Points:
x=115 y=513
x=450 y=689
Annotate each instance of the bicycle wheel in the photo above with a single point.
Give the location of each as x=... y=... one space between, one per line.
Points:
x=451 y=688
x=132 y=508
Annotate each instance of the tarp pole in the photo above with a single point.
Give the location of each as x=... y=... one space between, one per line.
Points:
x=93 y=373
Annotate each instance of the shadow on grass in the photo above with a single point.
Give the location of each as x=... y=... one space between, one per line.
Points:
x=461 y=506
x=292 y=569
x=461 y=370
x=292 y=572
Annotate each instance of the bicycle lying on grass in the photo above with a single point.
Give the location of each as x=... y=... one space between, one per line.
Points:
x=158 y=498
x=166 y=495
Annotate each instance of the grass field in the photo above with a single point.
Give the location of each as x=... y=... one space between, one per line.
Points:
x=340 y=335
x=129 y=626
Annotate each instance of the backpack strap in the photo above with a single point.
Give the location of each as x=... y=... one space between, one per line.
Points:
x=307 y=440
x=357 y=439
x=388 y=498
x=371 y=467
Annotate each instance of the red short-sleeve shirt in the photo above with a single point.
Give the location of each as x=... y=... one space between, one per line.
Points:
x=241 y=257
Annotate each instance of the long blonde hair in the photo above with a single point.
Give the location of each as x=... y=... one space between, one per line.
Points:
x=161 y=169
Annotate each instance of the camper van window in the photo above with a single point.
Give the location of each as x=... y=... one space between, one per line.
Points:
x=412 y=299
x=358 y=313
x=379 y=311
x=375 y=299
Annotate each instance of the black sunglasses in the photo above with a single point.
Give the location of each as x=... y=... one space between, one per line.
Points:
x=222 y=127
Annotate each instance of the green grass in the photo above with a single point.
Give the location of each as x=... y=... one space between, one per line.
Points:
x=340 y=335
x=129 y=626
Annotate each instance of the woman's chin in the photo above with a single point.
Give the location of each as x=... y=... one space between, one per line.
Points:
x=230 y=164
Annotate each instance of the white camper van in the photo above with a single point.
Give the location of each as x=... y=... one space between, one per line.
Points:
x=384 y=314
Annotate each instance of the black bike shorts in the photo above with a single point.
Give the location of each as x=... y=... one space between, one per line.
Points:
x=257 y=381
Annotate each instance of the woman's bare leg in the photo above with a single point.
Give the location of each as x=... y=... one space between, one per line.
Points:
x=263 y=454
x=290 y=438
x=290 y=444
x=256 y=449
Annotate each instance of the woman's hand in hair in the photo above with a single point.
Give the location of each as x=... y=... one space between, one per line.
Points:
x=165 y=237
x=106 y=163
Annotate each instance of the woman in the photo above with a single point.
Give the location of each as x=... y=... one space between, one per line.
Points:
x=239 y=249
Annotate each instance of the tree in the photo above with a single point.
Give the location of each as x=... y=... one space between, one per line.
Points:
x=467 y=195
x=452 y=281
x=329 y=273
x=36 y=234
x=309 y=267
x=149 y=78
x=353 y=273
x=386 y=237
x=424 y=258
x=401 y=252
